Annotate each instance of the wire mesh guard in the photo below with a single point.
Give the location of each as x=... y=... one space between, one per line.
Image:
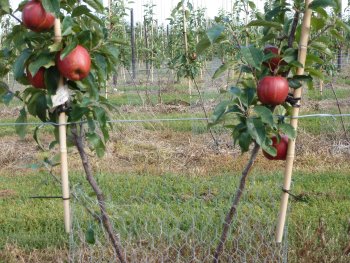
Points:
x=181 y=225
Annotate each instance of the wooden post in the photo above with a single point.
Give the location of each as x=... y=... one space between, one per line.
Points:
x=63 y=146
x=340 y=48
x=321 y=87
x=145 y=27
x=305 y=32
x=133 y=57
x=186 y=45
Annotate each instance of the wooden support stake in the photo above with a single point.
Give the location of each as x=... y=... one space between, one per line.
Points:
x=63 y=146
x=305 y=32
x=133 y=49
x=186 y=45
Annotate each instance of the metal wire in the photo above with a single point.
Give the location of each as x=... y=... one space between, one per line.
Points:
x=323 y=115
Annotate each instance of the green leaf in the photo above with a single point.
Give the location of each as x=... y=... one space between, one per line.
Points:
x=95 y=4
x=321 y=4
x=211 y=36
x=253 y=56
x=52 y=6
x=67 y=25
x=267 y=147
x=265 y=24
x=43 y=60
x=288 y=130
x=248 y=96
x=322 y=47
x=36 y=137
x=337 y=35
x=90 y=236
x=296 y=81
x=100 y=64
x=96 y=143
x=55 y=47
x=222 y=69
x=20 y=63
x=52 y=77
x=256 y=129
x=220 y=110
x=21 y=129
x=252 y=5
x=77 y=112
x=315 y=73
x=5 y=6
x=4 y=88
x=265 y=114
x=244 y=141
x=80 y=10
x=69 y=48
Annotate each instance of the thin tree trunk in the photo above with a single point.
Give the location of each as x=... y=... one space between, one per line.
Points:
x=114 y=239
x=236 y=200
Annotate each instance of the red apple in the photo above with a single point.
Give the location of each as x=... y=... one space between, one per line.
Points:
x=35 y=17
x=38 y=81
x=281 y=147
x=274 y=62
x=75 y=66
x=273 y=90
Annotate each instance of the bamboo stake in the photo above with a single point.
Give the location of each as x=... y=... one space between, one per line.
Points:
x=294 y=122
x=63 y=146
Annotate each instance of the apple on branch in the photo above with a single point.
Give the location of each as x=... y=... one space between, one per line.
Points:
x=35 y=17
x=76 y=65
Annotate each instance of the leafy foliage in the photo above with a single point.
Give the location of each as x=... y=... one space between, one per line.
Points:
x=83 y=23
x=280 y=26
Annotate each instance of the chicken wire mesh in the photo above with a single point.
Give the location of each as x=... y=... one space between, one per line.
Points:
x=179 y=224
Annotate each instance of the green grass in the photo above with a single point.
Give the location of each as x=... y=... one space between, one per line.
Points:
x=341 y=93
x=183 y=206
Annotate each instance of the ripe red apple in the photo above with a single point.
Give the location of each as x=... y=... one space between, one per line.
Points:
x=274 y=62
x=35 y=17
x=281 y=147
x=75 y=66
x=38 y=81
x=273 y=90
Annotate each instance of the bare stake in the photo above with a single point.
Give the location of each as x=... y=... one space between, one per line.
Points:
x=236 y=200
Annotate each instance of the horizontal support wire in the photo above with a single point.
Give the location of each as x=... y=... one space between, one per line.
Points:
x=325 y=115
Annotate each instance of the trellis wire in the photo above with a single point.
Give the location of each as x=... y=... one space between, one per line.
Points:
x=324 y=115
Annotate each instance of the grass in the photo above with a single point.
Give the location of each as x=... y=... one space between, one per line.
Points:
x=178 y=214
x=184 y=206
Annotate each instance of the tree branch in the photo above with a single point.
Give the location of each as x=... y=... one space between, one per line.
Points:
x=79 y=143
x=236 y=200
x=294 y=28
x=320 y=34
x=18 y=20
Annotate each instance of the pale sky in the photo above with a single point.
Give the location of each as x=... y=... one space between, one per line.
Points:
x=163 y=7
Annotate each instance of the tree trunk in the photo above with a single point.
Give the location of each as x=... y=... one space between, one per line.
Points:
x=114 y=239
x=236 y=200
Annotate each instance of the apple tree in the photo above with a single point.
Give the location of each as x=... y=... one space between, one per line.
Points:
x=86 y=57
x=259 y=102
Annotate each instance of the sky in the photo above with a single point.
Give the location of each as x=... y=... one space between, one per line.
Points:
x=163 y=7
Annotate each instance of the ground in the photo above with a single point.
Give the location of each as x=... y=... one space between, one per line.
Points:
x=169 y=186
